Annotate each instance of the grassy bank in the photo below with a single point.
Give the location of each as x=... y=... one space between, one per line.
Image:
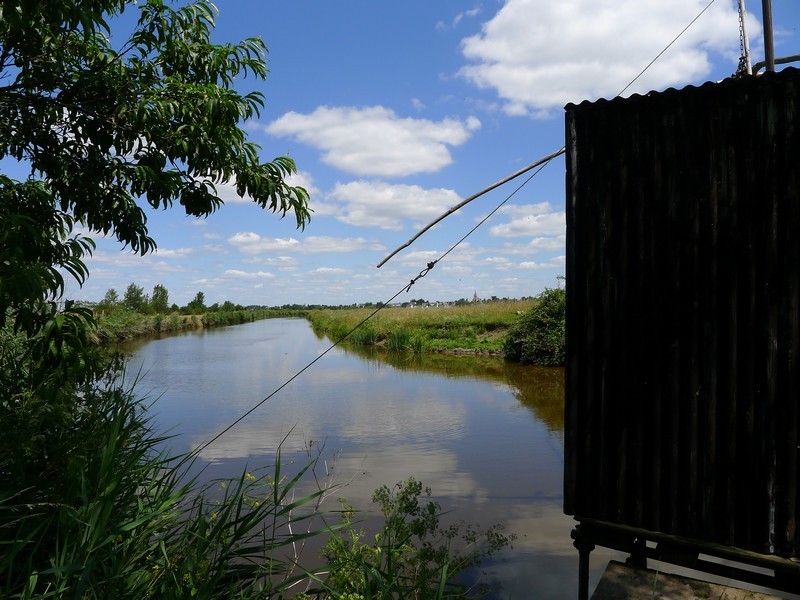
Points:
x=121 y=324
x=474 y=328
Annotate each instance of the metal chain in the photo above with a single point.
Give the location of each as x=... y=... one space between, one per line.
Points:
x=741 y=70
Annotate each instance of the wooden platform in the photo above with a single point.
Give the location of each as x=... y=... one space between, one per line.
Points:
x=623 y=582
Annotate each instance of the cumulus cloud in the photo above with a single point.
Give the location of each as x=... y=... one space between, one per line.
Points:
x=329 y=271
x=374 y=141
x=252 y=243
x=539 y=56
x=531 y=219
x=175 y=253
x=228 y=194
x=380 y=204
x=535 y=266
x=237 y=274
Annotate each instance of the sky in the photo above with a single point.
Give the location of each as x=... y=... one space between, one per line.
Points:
x=395 y=112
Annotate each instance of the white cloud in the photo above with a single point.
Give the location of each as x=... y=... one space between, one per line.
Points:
x=323 y=243
x=176 y=253
x=228 y=194
x=329 y=271
x=374 y=141
x=456 y=270
x=235 y=273
x=379 y=204
x=252 y=243
x=523 y=210
x=531 y=219
x=557 y=242
x=458 y=18
x=539 y=56
x=534 y=266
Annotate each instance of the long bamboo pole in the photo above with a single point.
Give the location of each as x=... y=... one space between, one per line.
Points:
x=463 y=203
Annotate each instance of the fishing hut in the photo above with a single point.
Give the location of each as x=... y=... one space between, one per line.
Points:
x=682 y=439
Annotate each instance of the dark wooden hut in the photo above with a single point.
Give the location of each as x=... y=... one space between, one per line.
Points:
x=683 y=325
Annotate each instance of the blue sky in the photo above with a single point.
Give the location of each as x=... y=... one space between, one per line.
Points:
x=394 y=112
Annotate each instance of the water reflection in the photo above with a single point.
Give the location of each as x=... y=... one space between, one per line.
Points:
x=539 y=389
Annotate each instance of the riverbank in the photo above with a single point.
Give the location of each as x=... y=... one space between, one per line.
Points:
x=475 y=329
x=120 y=324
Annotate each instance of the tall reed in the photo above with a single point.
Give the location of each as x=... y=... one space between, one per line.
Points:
x=121 y=519
x=399 y=340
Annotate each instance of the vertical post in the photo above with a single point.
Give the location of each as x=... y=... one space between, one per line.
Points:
x=584 y=547
x=638 y=557
x=769 y=43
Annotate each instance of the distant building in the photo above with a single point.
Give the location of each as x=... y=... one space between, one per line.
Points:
x=475 y=297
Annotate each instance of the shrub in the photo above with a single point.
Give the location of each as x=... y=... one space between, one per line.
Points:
x=538 y=337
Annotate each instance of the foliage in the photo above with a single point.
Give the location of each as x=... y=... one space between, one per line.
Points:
x=36 y=250
x=134 y=298
x=109 y=302
x=412 y=556
x=539 y=336
x=197 y=304
x=102 y=128
x=159 y=300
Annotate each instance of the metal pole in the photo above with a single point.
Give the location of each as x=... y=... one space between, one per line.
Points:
x=769 y=44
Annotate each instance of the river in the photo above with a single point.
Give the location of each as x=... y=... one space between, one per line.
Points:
x=486 y=436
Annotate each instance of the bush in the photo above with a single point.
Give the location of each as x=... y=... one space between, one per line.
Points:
x=539 y=336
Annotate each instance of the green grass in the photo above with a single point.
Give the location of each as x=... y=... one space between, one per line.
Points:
x=476 y=328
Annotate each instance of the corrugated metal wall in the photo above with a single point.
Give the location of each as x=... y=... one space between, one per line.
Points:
x=683 y=304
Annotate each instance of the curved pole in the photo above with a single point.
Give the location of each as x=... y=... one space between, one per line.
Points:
x=471 y=198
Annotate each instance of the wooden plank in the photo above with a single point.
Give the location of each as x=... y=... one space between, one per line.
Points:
x=623 y=582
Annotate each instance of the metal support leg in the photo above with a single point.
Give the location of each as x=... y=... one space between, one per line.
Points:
x=638 y=557
x=584 y=547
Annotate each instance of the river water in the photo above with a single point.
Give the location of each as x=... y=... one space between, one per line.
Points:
x=486 y=436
